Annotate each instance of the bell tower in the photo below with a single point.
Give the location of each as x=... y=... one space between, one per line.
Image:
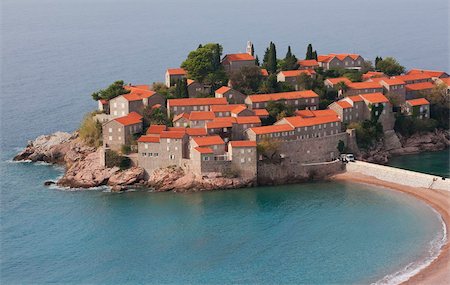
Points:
x=249 y=48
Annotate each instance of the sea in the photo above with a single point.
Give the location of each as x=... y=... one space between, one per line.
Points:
x=55 y=53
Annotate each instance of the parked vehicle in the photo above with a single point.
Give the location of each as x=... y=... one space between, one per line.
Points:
x=347 y=157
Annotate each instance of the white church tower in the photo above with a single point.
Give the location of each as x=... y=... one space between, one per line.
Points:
x=249 y=47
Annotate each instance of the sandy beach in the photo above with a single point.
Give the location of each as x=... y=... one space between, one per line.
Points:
x=438 y=272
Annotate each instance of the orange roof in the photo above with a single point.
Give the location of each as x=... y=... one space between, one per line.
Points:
x=264 y=72
x=177 y=129
x=372 y=74
x=308 y=63
x=208 y=140
x=375 y=97
x=156 y=129
x=130 y=119
x=201 y=116
x=137 y=94
x=432 y=73
x=419 y=86
x=223 y=90
x=392 y=81
x=283 y=96
x=248 y=120
x=315 y=113
x=238 y=57
x=196 y=101
x=261 y=112
x=204 y=150
x=446 y=81
x=225 y=108
x=243 y=143
x=176 y=71
x=341 y=56
x=295 y=73
x=103 y=101
x=411 y=77
x=364 y=85
x=156 y=106
x=189 y=81
x=418 y=102
x=297 y=122
x=148 y=139
x=172 y=134
x=344 y=104
x=238 y=109
x=272 y=129
x=179 y=116
x=196 y=131
x=225 y=119
x=218 y=124
x=339 y=79
x=355 y=98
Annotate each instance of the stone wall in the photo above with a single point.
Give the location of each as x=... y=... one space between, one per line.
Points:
x=399 y=176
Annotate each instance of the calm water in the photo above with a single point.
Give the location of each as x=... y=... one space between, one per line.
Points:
x=437 y=163
x=54 y=53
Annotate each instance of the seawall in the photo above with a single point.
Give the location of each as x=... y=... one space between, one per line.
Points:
x=399 y=176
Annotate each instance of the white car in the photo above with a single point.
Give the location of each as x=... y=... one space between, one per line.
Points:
x=347 y=157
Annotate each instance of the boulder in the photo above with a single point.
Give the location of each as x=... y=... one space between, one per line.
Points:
x=127 y=177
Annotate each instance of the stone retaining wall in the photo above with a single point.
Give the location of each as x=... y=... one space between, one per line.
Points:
x=399 y=176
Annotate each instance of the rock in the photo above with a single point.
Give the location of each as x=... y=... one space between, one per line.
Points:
x=127 y=177
x=391 y=140
x=49 y=182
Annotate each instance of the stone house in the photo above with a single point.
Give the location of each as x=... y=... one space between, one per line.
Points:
x=358 y=88
x=216 y=143
x=308 y=64
x=414 y=78
x=332 y=82
x=445 y=81
x=120 y=131
x=434 y=74
x=173 y=75
x=244 y=157
x=261 y=113
x=394 y=89
x=419 y=108
x=187 y=105
x=315 y=113
x=280 y=132
x=312 y=127
x=241 y=111
x=242 y=124
x=234 y=62
x=224 y=129
x=225 y=110
x=232 y=96
x=195 y=119
x=347 y=61
x=291 y=77
x=297 y=99
x=197 y=89
x=103 y=105
x=135 y=101
x=417 y=90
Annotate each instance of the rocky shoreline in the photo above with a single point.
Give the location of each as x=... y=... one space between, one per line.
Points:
x=84 y=170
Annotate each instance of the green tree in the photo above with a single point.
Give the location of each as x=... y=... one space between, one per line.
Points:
x=341 y=146
x=257 y=60
x=246 y=80
x=181 y=89
x=309 y=52
x=112 y=91
x=314 y=55
x=268 y=149
x=252 y=50
x=390 y=66
x=270 y=58
x=155 y=116
x=342 y=87
x=278 y=110
x=377 y=60
x=203 y=65
x=90 y=131
x=304 y=82
x=440 y=105
x=290 y=62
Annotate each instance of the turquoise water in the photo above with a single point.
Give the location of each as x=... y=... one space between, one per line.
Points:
x=437 y=163
x=54 y=53
x=313 y=233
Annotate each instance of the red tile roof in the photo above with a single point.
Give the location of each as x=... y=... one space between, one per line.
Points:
x=223 y=89
x=149 y=139
x=418 y=102
x=419 y=86
x=238 y=109
x=196 y=131
x=339 y=79
x=261 y=112
x=373 y=74
x=189 y=81
x=364 y=85
x=445 y=81
x=225 y=108
x=138 y=92
x=375 y=98
x=225 y=119
x=243 y=143
x=201 y=116
x=196 y=101
x=411 y=77
x=130 y=119
x=248 y=120
x=218 y=125
x=315 y=113
x=342 y=56
x=238 y=57
x=344 y=104
x=308 y=63
x=172 y=134
x=264 y=72
x=177 y=129
x=180 y=116
x=208 y=140
x=103 y=101
x=355 y=98
x=295 y=73
x=432 y=73
x=392 y=81
x=283 y=96
x=297 y=122
x=176 y=71
x=204 y=150
x=272 y=129
x=156 y=129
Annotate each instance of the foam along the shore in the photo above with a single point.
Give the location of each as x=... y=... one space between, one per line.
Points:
x=400 y=176
x=438 y=270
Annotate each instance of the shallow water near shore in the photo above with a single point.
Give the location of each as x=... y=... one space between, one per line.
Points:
x=436 y=163
x=312 y=233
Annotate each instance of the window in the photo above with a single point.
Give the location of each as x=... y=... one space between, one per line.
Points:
x=110 y=130
x=242 y=160
x=249 y=150
x=182 y=108
x=257 y=105
x=205 y=158
x=312 y=100
x=119 y=130
x=168 y=141
x=242 y=151
x=195 y=108
x=115 y=104
x=225 y=130
x=168 y=148
x=144 y=154
x=146 y=146
x=231 y=96
x=201 y=108
x=120 y=138
x=150 y=154
x=215 y=147
x=176 y=148
x=123 y=105
x=172 y=156
x=306 y=128
x=110 y=138
x=115 y=113
x=249 y=159
x=306 y=100
x=296 y=102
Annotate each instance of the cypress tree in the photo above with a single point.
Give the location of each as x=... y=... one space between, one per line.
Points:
x=309 y=52
x=266 y=58
x=199 y=46
x=253 y=50
x=314 y=55
x=257 y=60
x=290 y=61
x=272 y=61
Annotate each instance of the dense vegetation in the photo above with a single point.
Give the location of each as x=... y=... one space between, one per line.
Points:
x=113 y=159
x=112 y=91
x=389 y=66
x=90 y=131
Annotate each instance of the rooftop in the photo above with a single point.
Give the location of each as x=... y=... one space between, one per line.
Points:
x=375 y=98
x=196 y=101
x=204 y=150
x=149 y=139
x=156 y=129
x=223 y=90
x=339 y=79
x=418 y=102
x=243 y=143
x=294 y=73
x=297 y=122
x=308 y=63
x=364 y=85
x=283 y=96
x=238 y=57
x=432 y=73
x=272 y=129
x=208 y=140
x=419 y=86
x=130 y=119
x=176 y=71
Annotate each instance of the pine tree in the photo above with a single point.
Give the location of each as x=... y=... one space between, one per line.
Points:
x=257 y=60
x=309 y=52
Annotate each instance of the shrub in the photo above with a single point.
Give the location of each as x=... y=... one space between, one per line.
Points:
x=407 y=126
x=113 y=159
x=125 y=149
x=90 y=131
x=367 y=133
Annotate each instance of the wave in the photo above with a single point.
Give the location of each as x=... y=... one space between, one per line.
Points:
x=413 y=268
x=102 y=188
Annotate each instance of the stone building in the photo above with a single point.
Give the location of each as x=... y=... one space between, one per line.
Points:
x=414 y=78
x=297 y=99
x=243 y=156
x=234 y=62
x=419 y=108
x=417 y=90
x=120 y=131
x=197 y=89
x=358 y=88
x=135 y=101
x=334 y=61
x=232 y=96
x=187 y=105
x=308 y=64
x=173 y=75
x=292 y=77
x=434 y=74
